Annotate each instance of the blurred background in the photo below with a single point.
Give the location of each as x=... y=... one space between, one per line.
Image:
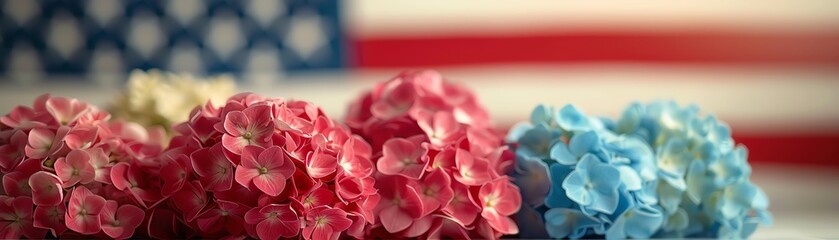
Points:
x=769 y=68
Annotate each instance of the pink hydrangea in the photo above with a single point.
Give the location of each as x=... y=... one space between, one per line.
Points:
x=265 y=168
x=57 y=161
x=441 y=168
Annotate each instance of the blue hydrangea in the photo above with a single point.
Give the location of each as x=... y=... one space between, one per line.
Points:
x=658 y=171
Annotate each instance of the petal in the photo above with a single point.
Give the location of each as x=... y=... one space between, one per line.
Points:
x=235 y=123
x=560 y=153
x=245 y=176
x=394 y=219
x=46 y=189
x=271 y=184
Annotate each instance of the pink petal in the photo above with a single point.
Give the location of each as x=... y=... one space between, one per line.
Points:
x=191 y=200
x=245 y=176
x=40 y=143
x=235 y=123
x=274 y=159
x=46 y=189
x=320 y=164
x=461 y=208
x=394 y=219
x=215 y=170
x=402 y=157
x=174 y=174
x=50 y=217
x=435 y=190
x=87 y=221
x=234 y=144
x=271 y=184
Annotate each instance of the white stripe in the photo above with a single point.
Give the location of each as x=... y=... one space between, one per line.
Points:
x=373 y=18
x=750 y=99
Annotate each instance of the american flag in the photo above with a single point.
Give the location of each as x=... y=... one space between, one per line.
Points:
x=769 y=68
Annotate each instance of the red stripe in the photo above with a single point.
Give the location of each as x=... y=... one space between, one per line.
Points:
x=571 y=47
x=819 y=150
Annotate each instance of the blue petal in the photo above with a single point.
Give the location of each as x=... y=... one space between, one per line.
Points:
x=533 y=179
x=517 y=131
x=557 y=198
x=572 y=119
x=669 y=197
x=574 y=186
x=643 y=222
x=542 y=115
x=696 y=181
x=677 y=221
x=584 y=143
x=530 y=223
x=560 y=153
x=737 y=199
x=564 y=222
x=631 y=119
x=630 y=178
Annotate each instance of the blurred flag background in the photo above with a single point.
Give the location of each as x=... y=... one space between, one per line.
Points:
x=769 y=68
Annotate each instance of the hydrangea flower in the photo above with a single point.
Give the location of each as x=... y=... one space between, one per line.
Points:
x=56 y=159
x=659 y=171
x=269 y=168
x=441 y=169
x=156 y=98
x=703 y=175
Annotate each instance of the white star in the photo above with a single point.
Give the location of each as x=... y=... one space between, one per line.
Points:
x=263 y=65
x=24 y=67
x=145 y=35
x=265 y=11
x=306 y=35
x=106 y=65
x=185 y=10
x=64 y=35
x=21 y=11
x=186 y=58
x=104 y=11
x=225 y=35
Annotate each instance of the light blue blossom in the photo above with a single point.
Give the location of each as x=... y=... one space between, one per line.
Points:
x=557 y=198
x=636 y=222
x=531 y=175
x=594 y=184
x=661 y=170
x=565 y=222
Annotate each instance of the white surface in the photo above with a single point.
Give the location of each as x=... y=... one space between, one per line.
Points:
x=372 y=18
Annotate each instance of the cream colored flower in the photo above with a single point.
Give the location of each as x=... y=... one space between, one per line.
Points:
x=156 y=98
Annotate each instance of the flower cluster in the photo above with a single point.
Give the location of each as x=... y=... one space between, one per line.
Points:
x=441 y=169
x=703 y=187
x=265 y=168
x=660 y=171
x=60 y=162
x=157 y=98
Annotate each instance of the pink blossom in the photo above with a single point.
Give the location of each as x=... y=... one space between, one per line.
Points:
x=191 y=200
x=213 y=168
x=83 y=211
x=12 y=153
x=51 y=217
x=462 y=209
x=355 y=158
x=46 y=189
x=499 y=200
x=274 y=221
x=175 y=173
x=82 y=137
x=405 y=157
x=252 y=126
x=136 y=182
x=44 y=142
x=400 y=204
x=25 y=118
x=16 y=219
x=225 y=215
x=441 y=127
x=16 y=183
x=75 y=168
x=266 y=169
x=434 y=190
x=320 y=164
x=120 y=222
x=471 y=170
x=66 y=110
x=396 y=98
x=325 y=223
